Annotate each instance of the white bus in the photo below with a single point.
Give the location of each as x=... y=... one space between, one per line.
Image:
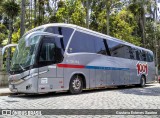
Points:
x=57 y=57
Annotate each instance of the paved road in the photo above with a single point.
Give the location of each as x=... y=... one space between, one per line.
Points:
x=112 y=98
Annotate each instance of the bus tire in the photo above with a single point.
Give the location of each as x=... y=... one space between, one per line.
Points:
x=76 y=85
x=142 y=82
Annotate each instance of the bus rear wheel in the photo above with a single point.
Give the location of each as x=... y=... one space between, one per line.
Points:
x=76 y=85
x=142 y=82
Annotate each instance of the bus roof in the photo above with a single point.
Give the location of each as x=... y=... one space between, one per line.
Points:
x=87 y=30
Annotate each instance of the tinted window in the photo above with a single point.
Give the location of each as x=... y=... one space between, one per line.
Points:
x=143 y=56
x=129 y=52
x=137 y=54
x=120 y=50
x=82 y=42
x=51 y=51
x=47 y=52
x=100 y=46
x=117 y=49
x=66 y=32
x=149 y=57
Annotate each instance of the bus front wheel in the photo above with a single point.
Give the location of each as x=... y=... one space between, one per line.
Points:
x=76 y=85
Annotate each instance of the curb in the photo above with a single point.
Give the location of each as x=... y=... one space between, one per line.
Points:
x=5 y=94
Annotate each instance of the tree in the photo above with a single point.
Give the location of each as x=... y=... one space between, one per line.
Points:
x=3 y=33
x=123 y=25
x=35 y=12
x=11 y=9
x=22 y=25
x=97 y=7
x=86 y=4
x=71 y=12
x=1 y=1
x=138 y=9
x=87 y=12
x=78 y=16
x=110 y=4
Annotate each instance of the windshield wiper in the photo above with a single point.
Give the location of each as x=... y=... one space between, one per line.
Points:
x=21 y=67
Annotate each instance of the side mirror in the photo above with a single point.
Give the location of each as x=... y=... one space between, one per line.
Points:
x=3 y=51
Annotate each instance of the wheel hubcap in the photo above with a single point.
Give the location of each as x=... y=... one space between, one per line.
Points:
x=76 y=84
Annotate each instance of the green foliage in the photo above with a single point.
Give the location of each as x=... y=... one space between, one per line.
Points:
x=16 y=36
x=3 y=29
x=3 y=33
x=78 y=15
x=102 y=21
x=60 y=15
x=123 y=25
x=11 y=8
x=72 y=12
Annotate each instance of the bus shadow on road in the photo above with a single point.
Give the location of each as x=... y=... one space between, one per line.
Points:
x=143 y=91
x=155 y=91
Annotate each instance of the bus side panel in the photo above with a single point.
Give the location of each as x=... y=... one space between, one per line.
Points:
x=92 y=75
x=151 y=72
x=122 y=77
x=120 y=74
x=100 y=78
x=109 y=80
x=134 y=78
x=115 y=77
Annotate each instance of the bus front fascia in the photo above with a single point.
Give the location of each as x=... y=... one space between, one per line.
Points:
x=27 y=40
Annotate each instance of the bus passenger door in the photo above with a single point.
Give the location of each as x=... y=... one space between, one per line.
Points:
x=50 y=78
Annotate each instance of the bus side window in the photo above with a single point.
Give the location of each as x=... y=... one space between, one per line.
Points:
x=65 y=31
x=100 y=46
x=81 y=42
x=130 y=53
x=137 y=54
x=143 y=55
x=149 y=57
x=134 y=53
x=116 y=49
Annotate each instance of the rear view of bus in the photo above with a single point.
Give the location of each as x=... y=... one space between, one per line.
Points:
x=57 y=57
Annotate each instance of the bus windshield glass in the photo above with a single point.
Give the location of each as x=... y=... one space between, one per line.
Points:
x=24 y=55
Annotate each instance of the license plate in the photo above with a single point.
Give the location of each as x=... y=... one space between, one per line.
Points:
x=11 y=86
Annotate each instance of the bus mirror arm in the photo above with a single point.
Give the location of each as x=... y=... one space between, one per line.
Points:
x=8 y=46
x=5 y=47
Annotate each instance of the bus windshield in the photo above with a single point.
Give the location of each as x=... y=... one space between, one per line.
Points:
x=24 y=55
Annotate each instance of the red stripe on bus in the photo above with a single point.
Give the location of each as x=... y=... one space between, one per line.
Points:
x=70 y=66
